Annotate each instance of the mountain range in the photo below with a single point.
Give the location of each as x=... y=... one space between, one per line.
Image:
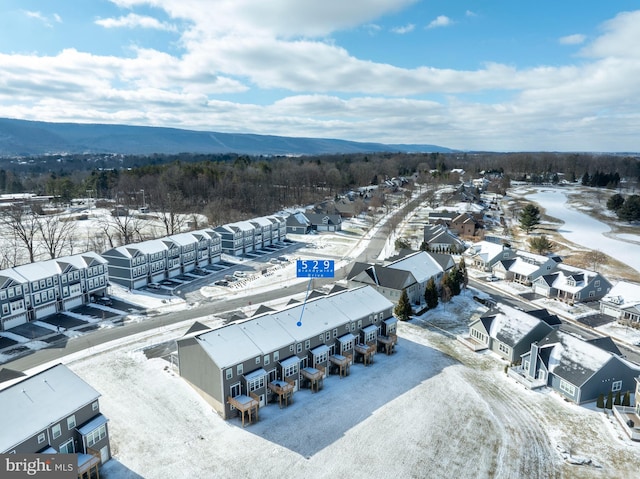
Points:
x=35 y=138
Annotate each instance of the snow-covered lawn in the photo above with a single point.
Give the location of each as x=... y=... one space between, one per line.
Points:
x=431 y=409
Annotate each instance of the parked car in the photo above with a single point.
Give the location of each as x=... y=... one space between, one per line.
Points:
x=492 y=278
x=154 y=285
x=221 y=282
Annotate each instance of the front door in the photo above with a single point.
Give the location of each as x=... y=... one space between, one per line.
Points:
x=104 y=454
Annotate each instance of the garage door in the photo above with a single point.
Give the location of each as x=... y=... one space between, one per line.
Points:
x=45 y=311
x=13 y=322
x=72 y=303
x=613 y=312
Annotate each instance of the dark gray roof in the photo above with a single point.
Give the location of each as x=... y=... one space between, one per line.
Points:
x=197 y=326
x=607 y=344
x=386 y=277
x=319 y=219
x=546 y=316
x=262 y=309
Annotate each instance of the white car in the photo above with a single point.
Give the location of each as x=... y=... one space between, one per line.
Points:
x=492 y=278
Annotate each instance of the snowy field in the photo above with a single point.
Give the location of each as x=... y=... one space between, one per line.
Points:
x=431 y=407
x=581 y=229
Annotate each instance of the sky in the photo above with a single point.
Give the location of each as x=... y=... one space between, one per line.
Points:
x=469 y=75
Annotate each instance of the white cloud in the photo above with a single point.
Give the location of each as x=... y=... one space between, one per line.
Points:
x=575 y=39
x=469 y=13
x=404 y=29
x=318 y=88
x=440 y=21
x=135 y=21
x=47 y=21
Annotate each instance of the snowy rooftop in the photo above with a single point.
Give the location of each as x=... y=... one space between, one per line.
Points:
x=624 y=294
x=512 y=325
x=39 y=401
x=421 y=265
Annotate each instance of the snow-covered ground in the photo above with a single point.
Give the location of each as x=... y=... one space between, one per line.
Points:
x=582 y=229
x=431 y=409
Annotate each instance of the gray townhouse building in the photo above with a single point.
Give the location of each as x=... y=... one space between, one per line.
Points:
x=525 y=267
x=54 y=411
x=138 y=264
x=243 y=237
x=572 y=285
x=34 y=291
x=239 y=367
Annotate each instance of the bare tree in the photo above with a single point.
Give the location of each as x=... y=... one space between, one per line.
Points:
x=22 y=222
x=57 y=234
x=596 y=258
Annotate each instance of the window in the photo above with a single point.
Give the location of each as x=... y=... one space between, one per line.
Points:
x=307 y=344
x=276 y=356
x=94 y=406
x=256 y=383
x=71 y=422
x=291 y=348
x=290 y=370
x=320 y=358
x=321 y=337
x=299 y=348
x=503 y=348
x=67 y=447
x=96 y=435
x=266 y=360
x=335 y=333
x=359 y=324
x=57 y=431
x=258 y=360
x=567 y=387
x=616 y=386
x=5 y=308
x=41 y=438
x=597 y=283
x=239 y=370
x=327 y=336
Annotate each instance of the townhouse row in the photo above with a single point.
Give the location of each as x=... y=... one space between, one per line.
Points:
x=34 y=291
x=240 y=367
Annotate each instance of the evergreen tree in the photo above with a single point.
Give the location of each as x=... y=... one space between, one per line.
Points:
x=615 y=202
x=402 y=243
x=585 y=179
x=431 y=294
x=403 y=311
x=618 y=400
x=630 y=210
x=600 y=401
x=609 y=403
x=529 y=217
x=463 y=275
x=452 y=282
x=424 y=246
x=626 y=401
x=445 y=291
x=540 y=244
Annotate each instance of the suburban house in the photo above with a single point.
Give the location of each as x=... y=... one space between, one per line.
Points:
x=324 y=222
x=507 y=331
x=525 y=267
x=622 y=302
x=439 y=239
x=239 y=367
x=33 y=291
x=483 y=255
x=629 y=416
x=424 y=266
x=54 y=411
x=298 y=223
x=571 y=285
x=387 y=281
x=579 y=370
x=465 y=224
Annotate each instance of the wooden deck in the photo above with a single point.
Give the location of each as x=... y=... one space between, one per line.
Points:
x=342 y=363
x=314 y=376
x=284 y=390
x=366 y=352
x=387 y=343
x=89 y=468
x=247 y=405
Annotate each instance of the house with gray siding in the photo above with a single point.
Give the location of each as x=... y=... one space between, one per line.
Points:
x=54 y=411
x=572 y=285
x=507 y=331
x=34 y=291
x=577 y=369
x=387 y=281
x=298 y=223
x=236 y=368
x=525 y=267
x=138 y=264
x=622 y=302
x=483 y=255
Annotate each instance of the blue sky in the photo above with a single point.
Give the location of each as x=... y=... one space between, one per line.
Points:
x=491 y=75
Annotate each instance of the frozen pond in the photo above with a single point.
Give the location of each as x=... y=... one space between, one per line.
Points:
x=582 y=229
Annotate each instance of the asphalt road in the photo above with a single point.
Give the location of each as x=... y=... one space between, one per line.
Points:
x=204 y=308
